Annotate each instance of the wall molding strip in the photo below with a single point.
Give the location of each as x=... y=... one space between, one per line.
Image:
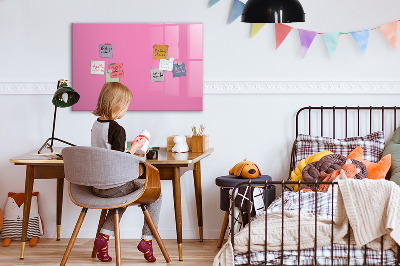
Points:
x=246 y=87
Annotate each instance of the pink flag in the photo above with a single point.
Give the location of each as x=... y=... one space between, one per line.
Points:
x=306 y=39
x=281 y=31
x=389 y=30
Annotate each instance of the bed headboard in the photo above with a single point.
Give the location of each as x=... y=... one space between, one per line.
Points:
x=344 y=121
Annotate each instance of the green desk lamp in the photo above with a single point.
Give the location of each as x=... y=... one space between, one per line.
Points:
x=64 y=97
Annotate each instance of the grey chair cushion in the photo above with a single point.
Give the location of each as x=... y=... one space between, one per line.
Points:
x=83 y=196
x=99 y=167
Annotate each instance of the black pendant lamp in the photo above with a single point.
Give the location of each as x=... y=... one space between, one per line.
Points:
x=273 y=11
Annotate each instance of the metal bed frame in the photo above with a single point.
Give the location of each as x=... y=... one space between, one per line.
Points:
x=283 y=184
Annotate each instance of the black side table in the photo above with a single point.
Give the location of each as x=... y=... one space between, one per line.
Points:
x=226 y=183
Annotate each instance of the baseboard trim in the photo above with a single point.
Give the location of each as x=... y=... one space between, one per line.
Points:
x=245 y=87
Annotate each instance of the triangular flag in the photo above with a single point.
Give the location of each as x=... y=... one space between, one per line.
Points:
x=281 y=31
x=255 y=28
x=306 y=39
x=237 y=9
x=361 y=37
x=213 y=2
x=332 y=41
x=390 y=32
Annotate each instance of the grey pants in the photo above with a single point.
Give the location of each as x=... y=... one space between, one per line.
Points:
x=154 y=208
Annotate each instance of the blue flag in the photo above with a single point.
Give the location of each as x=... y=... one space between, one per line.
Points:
x=237 y=9
x=361 y=38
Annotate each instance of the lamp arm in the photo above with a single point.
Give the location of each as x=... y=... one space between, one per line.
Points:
x=54 y=126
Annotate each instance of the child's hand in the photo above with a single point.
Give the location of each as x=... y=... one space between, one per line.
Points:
x=142 y=155
x=137 y=144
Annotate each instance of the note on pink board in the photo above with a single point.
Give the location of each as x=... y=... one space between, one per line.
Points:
x=97 y=67
x=117 y=70
x=133 y=46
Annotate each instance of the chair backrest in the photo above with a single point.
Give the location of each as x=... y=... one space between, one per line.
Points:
x=91 y=166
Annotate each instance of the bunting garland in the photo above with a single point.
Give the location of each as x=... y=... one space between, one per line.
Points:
x=281 y=31
x=306 y=39
x=213 y=2
x=237 y=9
x=256 y=27
x=361 y=37
x=389 y=30
x=332 y=41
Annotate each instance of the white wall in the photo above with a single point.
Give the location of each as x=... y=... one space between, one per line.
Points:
x=35 y=41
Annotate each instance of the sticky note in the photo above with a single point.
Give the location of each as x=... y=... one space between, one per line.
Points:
x=166 y=64
x=110 y=79
x=160 y=51
x=179 y=70
x=117 y=70
x=97 y=67
x=106 y=50
x=156 y=75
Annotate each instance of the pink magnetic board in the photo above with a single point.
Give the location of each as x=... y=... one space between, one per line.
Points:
x=132 y=45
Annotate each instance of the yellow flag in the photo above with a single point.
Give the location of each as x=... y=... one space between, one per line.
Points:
x=255 y=28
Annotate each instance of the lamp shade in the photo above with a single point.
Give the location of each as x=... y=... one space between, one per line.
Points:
x=273 y=11
x=65 y=96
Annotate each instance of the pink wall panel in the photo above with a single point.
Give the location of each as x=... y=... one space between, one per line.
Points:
x=133 y=46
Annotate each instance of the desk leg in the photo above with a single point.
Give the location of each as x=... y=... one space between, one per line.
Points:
x=27 y=206
x=60 y=190
x=199 y=204
x=176 y=182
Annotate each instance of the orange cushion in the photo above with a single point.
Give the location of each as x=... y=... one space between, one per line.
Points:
x=375 y=170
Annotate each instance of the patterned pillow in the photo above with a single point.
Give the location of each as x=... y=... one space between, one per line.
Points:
x=372 y=144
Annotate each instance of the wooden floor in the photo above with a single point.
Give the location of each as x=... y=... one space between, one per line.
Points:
x=50 y=252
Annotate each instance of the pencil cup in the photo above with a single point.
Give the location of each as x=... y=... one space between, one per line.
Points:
x=200 y=143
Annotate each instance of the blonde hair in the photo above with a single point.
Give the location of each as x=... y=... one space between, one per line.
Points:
x=113 y=98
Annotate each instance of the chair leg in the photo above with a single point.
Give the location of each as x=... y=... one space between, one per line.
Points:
x=223 y=229
x=117 y=239
x=154 y=230
x=101 y=222
x=73 y=237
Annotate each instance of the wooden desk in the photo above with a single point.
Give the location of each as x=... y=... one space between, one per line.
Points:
x=171 y=167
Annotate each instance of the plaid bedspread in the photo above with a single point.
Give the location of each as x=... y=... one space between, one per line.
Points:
x=307 y=202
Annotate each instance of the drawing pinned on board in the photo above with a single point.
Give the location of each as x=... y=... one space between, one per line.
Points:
x=106 y=50
x=110 y=79
x=179 y=70
x=167 y=64
x=156 y=75
x=117 y=70
x=160 y=51
x=97 y=67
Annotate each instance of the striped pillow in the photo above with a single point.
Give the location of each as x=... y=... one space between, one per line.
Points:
x=372 y=145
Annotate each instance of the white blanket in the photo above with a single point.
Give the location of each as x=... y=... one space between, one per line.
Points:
x=371 y=206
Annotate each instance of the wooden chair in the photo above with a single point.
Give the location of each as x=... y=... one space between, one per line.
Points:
x=85 y=167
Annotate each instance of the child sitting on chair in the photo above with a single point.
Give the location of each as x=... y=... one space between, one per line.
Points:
x=112 y=104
